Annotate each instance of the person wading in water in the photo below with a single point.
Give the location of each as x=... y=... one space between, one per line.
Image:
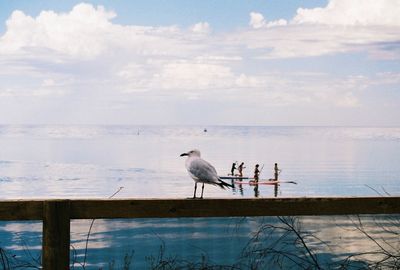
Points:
x=256 y=172
x=233 y=168
x=240 y=169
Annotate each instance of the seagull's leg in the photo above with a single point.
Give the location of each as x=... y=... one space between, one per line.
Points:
x=202 y=190
x=195 y=188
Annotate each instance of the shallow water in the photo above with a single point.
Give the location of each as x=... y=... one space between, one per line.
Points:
x=95 y=161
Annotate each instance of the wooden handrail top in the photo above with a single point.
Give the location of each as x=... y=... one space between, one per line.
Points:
x=221 y=207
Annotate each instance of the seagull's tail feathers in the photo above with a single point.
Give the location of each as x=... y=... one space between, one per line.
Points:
x=223 y=184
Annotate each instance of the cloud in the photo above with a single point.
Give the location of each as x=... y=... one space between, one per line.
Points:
x=352 y=13
x=201 y=28
x=387 y=78
x=340 y=27
x=348 y=100
x=249 y=81
x=82 y=57
x=85 y=32
x=80 y=32
x=193 y=75
x=303 y=41
x=256 y=20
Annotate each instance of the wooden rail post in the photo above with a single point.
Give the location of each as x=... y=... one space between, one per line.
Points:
x=56 y=234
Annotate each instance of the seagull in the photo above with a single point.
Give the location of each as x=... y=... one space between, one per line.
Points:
x=202 y=171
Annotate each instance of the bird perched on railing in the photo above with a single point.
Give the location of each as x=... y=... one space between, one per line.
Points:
x=202 y=172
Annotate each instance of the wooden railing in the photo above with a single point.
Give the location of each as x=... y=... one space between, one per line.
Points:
x=57 y=214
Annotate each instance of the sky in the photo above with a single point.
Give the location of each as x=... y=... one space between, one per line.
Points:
x=185 y=62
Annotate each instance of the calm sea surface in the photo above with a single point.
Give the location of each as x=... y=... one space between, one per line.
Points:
x=96 y=161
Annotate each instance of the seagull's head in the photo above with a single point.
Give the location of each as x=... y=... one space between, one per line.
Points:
x=192 y=153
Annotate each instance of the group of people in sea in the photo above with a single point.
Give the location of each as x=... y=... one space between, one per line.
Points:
x=240 y=168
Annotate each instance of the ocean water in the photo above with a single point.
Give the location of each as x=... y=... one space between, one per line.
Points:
x=95 y=161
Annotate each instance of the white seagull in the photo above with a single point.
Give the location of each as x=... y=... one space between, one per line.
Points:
x=202 y=171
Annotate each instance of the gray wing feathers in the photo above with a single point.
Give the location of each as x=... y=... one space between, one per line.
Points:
x=203 y=171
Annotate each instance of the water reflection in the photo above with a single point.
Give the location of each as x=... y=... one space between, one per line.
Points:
x=239 y=241
x=239 y=181
x=330 y=240
x=20 y=245
x=256 y=188
x=256 y=191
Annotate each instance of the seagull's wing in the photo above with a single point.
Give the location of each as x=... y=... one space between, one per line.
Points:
x=203 y=171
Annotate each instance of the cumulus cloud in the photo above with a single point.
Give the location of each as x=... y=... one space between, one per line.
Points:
x=201 y=28
x=352 y=13
x=256 y=20
x=80 y=32
x=85 y=32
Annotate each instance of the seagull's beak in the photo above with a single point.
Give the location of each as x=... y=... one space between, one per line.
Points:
x=184 y=154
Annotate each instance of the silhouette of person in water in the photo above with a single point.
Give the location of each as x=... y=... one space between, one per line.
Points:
x=256 y=191
x=233 y=168
x=240 y=169
x=256 y=172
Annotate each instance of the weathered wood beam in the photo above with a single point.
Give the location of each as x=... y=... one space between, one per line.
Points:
x=166 y=208
x=21 y=210
x=163 y=208
x=56 y=234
